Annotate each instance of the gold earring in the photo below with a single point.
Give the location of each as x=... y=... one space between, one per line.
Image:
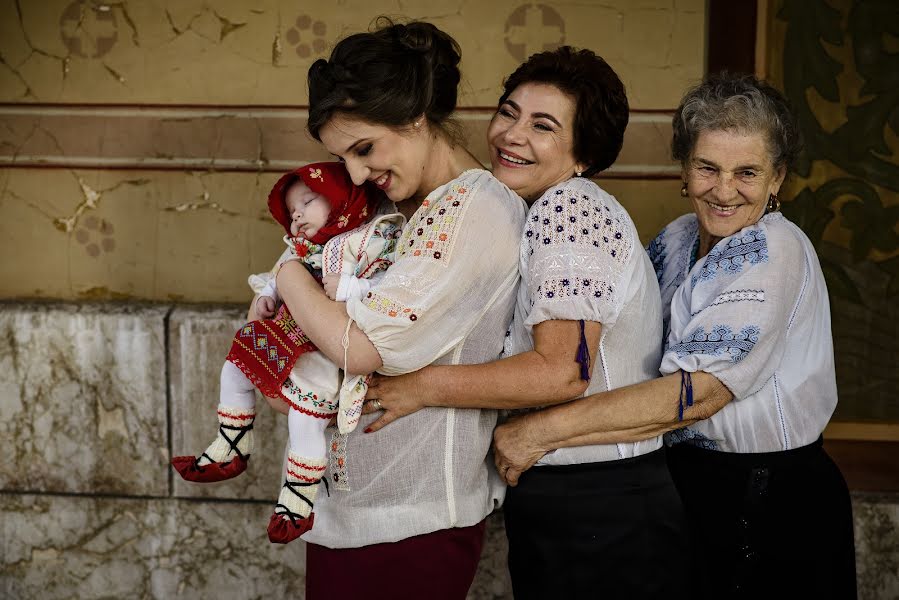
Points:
x=773 y=204
x=683 y=190
x=416 y=124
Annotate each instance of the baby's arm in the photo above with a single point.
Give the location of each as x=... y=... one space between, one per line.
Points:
x=346 y=287
x=267 y=301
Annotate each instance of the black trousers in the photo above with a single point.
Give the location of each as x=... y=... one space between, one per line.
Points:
x=601 y=530
x=767 y=525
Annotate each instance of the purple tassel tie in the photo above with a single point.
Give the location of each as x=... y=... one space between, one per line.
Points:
x=686 y=388
x=583 y=355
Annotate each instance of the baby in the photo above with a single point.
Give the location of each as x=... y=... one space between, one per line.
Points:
x=321 y=211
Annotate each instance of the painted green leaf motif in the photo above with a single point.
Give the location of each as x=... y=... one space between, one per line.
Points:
x=838 y=281
x=805 y=60
x=811 y=212
x=869 y=22
x=871 y=225
x=891 y=267
x=858 y=146
x=865 y=129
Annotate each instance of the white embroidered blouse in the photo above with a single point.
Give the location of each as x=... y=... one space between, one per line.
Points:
x=754 y=313
x=447 y=299
x=581 y=258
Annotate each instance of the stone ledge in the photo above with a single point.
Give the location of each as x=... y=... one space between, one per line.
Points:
x=80 y=547
x=74 y=405
x=82 y=398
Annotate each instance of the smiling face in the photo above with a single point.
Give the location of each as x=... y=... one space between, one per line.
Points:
x=308 y=211
x=531 y=139
x=729 y=178
x=395 y=160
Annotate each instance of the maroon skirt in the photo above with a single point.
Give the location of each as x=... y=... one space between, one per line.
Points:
x=438 y=566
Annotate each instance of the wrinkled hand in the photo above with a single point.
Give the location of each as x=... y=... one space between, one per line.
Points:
x=331 y=282
x=395 y=396
x=265 y=307
x=516 y=447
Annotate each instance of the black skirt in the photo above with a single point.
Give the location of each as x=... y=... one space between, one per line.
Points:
x=766 y=525
x=600 y=530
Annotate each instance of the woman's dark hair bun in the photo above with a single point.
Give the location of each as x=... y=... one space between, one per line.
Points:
x=390 y=76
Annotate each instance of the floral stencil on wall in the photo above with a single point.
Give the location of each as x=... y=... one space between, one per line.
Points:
x=96 y=236
x=307 y=36
x=87 y=29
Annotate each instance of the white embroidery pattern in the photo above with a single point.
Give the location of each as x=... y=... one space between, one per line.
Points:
x=736 y=296
x=576 y=245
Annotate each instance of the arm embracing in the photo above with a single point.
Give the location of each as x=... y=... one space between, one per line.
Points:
x=546 y=375
x=626 y=414
x=632 y=413
x=324 y=320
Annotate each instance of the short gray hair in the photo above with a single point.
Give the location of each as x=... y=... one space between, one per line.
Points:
x=742 y=103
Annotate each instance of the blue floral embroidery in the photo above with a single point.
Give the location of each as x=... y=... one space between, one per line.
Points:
x=657 y=254
x=719 y=340
x=685 y=435
x=563 y=218
x=563 y=288
x=749 y=246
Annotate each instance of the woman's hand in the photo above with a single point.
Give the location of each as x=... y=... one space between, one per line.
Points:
x=516 y=446
x=396 y=397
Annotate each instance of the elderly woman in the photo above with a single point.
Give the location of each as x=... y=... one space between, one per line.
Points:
x=748 y=377
x=405 y=517
x=596 y=519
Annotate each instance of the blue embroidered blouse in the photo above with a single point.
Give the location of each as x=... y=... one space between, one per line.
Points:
x=753 y=312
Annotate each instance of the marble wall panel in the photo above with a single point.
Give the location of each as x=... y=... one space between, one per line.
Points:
x=82 y=516
x=199 y=339
x=82 y=399
x=83 y=547
x=91 y=548
x=877 y=546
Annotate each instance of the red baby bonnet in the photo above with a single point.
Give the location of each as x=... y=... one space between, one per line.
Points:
x=351 y=205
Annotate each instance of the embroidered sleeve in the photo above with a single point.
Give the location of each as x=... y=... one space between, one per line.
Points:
x=733 y=321
x=656 y=252
x=365 y=250
x=578 y=245
x=450 y=268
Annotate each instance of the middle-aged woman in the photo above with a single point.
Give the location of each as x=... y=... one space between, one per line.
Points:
x=595 y=520
x=409 y=521
x=748 y=379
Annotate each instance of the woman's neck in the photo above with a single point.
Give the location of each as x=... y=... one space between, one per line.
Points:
x=707 y=241
x=445 y=163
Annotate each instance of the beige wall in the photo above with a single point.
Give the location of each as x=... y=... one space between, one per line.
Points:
x=139 y=140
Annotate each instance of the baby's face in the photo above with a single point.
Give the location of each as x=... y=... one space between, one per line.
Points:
x=308 y=211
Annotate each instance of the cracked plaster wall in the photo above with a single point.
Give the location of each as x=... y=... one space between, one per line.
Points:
x=236 y=53
x=138 y=140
